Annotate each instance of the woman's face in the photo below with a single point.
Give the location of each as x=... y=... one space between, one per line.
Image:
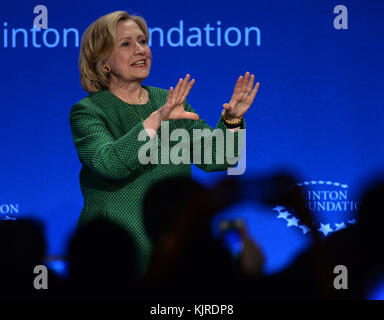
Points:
x=130 y=60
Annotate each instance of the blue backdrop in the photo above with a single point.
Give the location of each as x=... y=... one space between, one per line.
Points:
x=319 y=108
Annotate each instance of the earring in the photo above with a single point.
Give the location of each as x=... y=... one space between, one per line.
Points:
x=107 y=68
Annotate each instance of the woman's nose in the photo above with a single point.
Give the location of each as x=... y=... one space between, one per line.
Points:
x=139 y=48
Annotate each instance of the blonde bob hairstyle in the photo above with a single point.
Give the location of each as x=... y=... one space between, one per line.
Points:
x=97 y=43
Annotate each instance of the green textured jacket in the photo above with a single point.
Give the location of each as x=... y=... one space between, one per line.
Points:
x=113 y=181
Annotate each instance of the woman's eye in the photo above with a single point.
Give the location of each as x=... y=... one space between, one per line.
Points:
x=143 y=41
x=125 y=44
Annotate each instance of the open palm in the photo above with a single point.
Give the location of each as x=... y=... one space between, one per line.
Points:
x=174 y=106
x=242 y=97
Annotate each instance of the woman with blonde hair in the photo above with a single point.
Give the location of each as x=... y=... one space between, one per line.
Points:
x=115 y=59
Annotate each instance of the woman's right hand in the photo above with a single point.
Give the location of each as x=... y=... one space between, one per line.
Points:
x=174 y=106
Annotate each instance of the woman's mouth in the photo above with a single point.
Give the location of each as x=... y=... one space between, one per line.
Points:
x=139 y=64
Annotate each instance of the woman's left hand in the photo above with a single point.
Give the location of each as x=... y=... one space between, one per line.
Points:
x=242 y=97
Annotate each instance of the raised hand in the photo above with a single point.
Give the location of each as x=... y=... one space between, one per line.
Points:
x=174 y=106
x=242 y=97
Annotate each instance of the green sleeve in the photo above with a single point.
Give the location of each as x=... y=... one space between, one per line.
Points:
x=220 y=151
x=108 y=157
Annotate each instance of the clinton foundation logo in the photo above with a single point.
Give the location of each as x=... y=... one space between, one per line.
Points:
x=330 y=204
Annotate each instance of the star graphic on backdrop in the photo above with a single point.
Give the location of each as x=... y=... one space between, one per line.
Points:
x=305 y=229
x=325 y=229
x=340 y=226
x=283 y=215
x=292 y=222
x=278 y=208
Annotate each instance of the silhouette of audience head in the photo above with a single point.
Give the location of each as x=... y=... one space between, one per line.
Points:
x=371 y=223
x=22 y=248
x=164 y=202
x=187 y=261
x=102 y=261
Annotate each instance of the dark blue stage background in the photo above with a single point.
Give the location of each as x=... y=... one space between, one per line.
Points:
x=319 y=109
